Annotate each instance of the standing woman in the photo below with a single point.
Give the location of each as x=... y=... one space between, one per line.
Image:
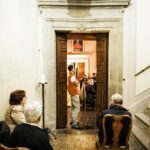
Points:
x=15 y=113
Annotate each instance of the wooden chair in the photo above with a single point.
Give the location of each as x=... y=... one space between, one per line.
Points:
x=3 y=147
x=116 y=129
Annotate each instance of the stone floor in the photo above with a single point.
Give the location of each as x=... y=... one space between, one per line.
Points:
x=71 y=139
x=75 y=140
x=68 y=139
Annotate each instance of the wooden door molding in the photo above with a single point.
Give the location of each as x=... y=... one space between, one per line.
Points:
x=61 y=80
x=61 y=71
x=102 y=87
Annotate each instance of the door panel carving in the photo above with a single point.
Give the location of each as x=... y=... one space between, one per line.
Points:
x=101 y=98
x=61 y=58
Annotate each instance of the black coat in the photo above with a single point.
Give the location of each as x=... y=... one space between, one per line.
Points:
x=30 y=136
x=114 y=109
x=4 y=133
x=90 y=91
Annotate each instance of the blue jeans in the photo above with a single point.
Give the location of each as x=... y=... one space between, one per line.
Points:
x=75 y=108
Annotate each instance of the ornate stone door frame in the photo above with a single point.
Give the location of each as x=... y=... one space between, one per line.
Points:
x=105 y=22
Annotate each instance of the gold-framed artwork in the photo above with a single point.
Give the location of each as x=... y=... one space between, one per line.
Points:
x=77 y=46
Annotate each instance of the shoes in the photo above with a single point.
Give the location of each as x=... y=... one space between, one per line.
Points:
x=123 y=147
x=76 y=126
x=76 y=123
x=107 y=146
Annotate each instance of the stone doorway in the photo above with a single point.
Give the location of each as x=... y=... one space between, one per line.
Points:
x=101 y=65
x=70 y=16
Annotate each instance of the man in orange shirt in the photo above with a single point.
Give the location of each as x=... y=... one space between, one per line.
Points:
x=73 y=89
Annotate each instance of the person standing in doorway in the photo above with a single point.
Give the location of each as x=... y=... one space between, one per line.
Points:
x=73 y=89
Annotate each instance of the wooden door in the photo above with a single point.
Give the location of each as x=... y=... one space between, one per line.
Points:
x=101 y=98
x=61 y=81
x=61 y=71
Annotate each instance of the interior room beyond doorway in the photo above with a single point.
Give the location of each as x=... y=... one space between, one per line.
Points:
x=81 y=53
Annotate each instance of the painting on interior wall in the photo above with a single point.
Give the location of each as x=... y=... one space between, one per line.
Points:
x=77 y=46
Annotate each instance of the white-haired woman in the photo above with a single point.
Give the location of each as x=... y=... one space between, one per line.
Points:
x=29 y=134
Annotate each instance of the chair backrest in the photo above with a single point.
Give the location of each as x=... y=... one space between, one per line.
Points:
x=3 y=147
x=116 y=129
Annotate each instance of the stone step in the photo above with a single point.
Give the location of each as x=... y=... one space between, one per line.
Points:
x=143 y=118
x=141 y=136
x=146 y=112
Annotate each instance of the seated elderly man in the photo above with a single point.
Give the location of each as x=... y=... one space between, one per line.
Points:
x=29 y=134
x=115 y=108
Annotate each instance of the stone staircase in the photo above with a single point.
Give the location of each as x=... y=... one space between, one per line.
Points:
x=141 y=129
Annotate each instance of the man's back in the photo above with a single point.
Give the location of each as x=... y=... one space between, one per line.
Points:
x=116 y=110
x=30 y=136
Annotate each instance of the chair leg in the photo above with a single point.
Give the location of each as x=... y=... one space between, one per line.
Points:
x=127 y=148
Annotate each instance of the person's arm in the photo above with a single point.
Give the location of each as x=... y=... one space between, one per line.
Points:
x=74 y=81
x=17 y=115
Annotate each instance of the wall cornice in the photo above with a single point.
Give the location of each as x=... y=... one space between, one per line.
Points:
x=96 y=20
x=102 y=3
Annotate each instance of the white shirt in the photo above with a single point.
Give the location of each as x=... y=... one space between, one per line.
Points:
x=73 y=78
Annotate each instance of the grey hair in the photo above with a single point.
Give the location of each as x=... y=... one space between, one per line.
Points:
x=33 y=111
x=117 y=98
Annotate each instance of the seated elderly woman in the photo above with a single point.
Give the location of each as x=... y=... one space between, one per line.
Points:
x=29 y=134
x=15 y=112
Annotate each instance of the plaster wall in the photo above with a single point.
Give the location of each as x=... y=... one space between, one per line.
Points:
x=143 y=45
x=136 y=84
x=143 y=35
x=25 y=55
x=19 y=56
